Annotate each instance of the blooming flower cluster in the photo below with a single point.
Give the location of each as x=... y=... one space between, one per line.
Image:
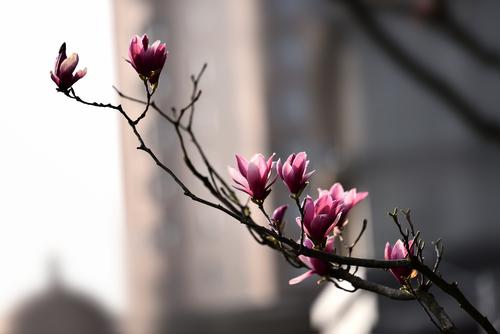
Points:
x=320 y=217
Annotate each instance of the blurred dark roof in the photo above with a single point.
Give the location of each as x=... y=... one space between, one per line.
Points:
x=60 y=311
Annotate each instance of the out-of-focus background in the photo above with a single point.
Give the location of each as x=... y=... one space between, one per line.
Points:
x=398 y=98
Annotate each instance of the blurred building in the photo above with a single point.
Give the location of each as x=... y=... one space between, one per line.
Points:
x=292 y=75
x=59 y=310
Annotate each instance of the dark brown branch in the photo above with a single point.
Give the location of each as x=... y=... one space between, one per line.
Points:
x=301 y=211
x=359 y=283
x=453 y=290
x=429 y=304
x=146 y=149
x=228 y=192
x=148 y=103
x=423 y=303
x=355 y=242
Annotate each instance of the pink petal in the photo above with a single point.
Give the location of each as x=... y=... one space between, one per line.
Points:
x=246 y=190
x=337 y=191
x=134 y=49
x=308 y=210
x=359 y=197
x=278 y=169
x=260 y=162
x=242 y=164
x=290 y=177
x=253 y=176
x=308 y=176
x=330 y=244
x=306 y=260
x=300 y=278
x=80 y=74
x=287 y=169
x=68 y=65
x=299 y=162
x=334 y=224
x=237 y=177
x=387 y=251
x=349 y=197
x=308 y=243
x=398 y=251
x=155 y=45
x=279 y=213
x=317 y=227
x=54 y=78
x=270 y=162
x=322 y=192
x=60 y=58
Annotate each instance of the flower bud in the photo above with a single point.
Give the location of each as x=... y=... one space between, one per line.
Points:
x=147 y=60
x=399 y=252
x=293 y=172
x=253 y=177
x=63 y=70
x=277 y=217
x=320 y=217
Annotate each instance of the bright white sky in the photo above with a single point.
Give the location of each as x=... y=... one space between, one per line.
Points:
x=60 y=163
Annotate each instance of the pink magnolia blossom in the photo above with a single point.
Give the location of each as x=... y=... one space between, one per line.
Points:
x=320 y=217
x=293 y=172
x=316 y=266
x=63 y=70
x=278 y=216
x=147 y=60
x=347 y=200
x=253 y=177
x=399 y=252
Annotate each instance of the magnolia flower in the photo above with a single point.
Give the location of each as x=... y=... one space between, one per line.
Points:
x=399 y=252
x=253 y=177
x=320 y=217
x=347 y=200
x=316 y=266
x=63 y=70
x=277 y=217
x=147 y=60
x=293 y=172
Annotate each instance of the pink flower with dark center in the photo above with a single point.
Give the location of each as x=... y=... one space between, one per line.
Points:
x=253 y=177
x=347 y=200
x=293 y=172
x=147 y=60
x=316 y=266
x=399 y=252
x=320 y=217
x=278 y=216
x=63 y=70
